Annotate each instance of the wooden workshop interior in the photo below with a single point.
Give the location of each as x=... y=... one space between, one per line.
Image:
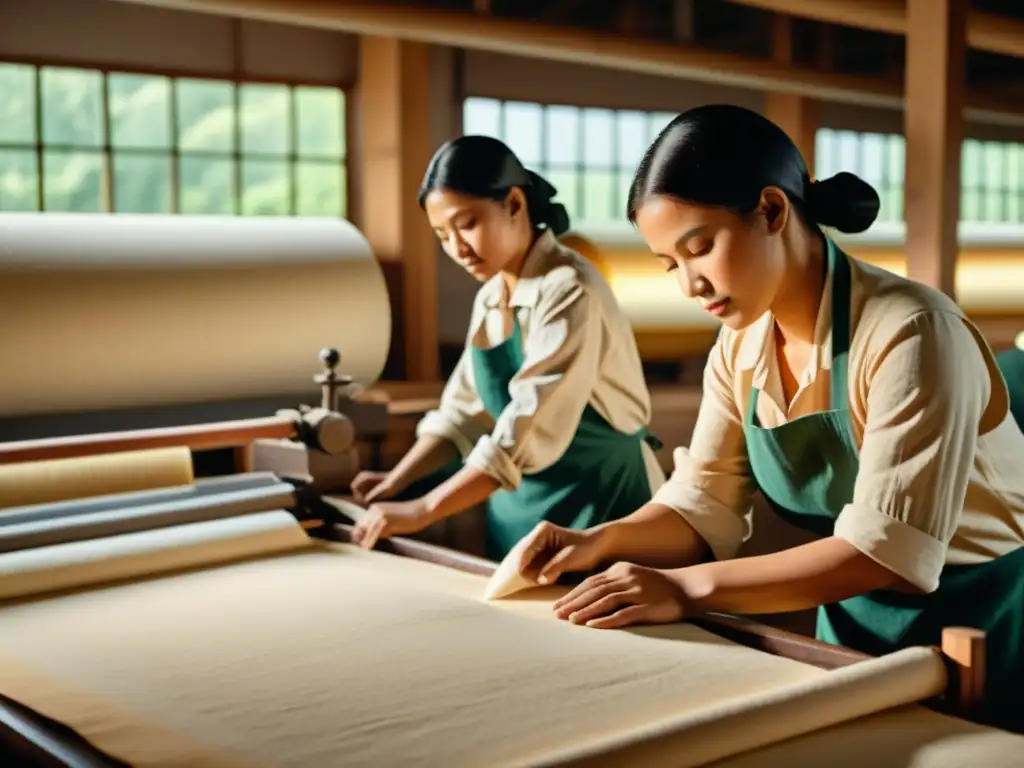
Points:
x=221 y=300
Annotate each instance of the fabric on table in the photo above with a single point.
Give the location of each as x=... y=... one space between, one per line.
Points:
x=337 y=656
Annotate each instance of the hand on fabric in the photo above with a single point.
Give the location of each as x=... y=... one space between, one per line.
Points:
x=370 y=486
x=390 y=518
x=550 y=550
x=625 y=594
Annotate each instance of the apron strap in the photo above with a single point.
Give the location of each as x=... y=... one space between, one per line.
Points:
x=840 y=267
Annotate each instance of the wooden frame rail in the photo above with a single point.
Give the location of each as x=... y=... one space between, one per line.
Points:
x=216 y=435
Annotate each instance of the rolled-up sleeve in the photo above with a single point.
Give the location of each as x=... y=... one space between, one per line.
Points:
x=561 y=363
x=460 y=416
x=926 y=392
x=711 y=486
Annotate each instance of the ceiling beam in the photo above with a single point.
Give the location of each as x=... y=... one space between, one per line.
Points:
x=535 y=40
x=985 y=31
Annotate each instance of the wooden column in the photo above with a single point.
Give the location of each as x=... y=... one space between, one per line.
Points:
x=798 y=116
x=933 y=119
x=394 y=148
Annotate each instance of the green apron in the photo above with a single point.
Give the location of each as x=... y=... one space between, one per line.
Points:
x=1011 y=364
x=806 y=470
x=601 y=476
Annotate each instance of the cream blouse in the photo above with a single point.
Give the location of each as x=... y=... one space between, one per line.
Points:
x=941 y=476
x=579 y=349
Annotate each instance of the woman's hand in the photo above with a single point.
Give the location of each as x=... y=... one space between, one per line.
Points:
x=624 y=594
x=370 y=486
x=550 y=550
x=390 y=518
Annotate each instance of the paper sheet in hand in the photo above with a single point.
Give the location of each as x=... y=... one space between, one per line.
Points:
x=506 y=579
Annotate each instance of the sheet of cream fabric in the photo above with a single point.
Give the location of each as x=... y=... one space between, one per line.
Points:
x=332 y=655
x=40 y=482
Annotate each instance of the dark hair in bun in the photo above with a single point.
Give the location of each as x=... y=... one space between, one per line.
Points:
x=484 y=167
x=724 y=156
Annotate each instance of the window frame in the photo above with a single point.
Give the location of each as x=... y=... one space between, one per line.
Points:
x=173 y=153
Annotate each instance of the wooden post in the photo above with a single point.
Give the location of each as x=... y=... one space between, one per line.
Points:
x=393 y=112
x=964 y=649
x=798 y=116
x=936 y=55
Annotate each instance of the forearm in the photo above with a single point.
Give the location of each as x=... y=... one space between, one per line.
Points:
x=463 y=490
x=807 y=576
x=655 y=536
x=429 y=454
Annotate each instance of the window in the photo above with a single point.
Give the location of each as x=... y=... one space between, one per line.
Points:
x=82 y=140
x=589 y=155
x=991 y=173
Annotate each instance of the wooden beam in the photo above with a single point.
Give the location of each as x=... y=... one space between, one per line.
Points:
x=393 y=107
x=798 y=116
x=985 y=31
x=936 y=55
x=469 y=30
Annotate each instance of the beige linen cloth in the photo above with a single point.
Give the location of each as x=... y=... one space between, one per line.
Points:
x=287 y=652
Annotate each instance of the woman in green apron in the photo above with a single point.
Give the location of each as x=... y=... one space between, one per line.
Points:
x=864 y=407
x=545 y=416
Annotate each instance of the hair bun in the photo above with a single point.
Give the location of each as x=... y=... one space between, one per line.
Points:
x=546 y=210
x=844 y=202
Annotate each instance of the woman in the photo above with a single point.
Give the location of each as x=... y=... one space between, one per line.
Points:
x=864 y=407
x=546 y=413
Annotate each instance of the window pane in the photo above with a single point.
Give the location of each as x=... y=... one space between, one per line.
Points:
x=872 y=159
x=566 y=181
x=72 y=107
x=993 y=205
x=320 y=113
x=207 y=185
x=848 y=145
x=897 y=159
x=969 y=205
x=206 y=115
x=318 y=189
x=523 y=131
x=659 y=122
x=599 y=196
x=994 y=161
x=73 y=181
x=632 y=139
x=621 y=196
x=266 y=188
x=823 y=152
x=140 y=111
x=19 y=180
x=481 y=117
x=970 y=164
x=598 y=138
x=142 y=183
x=265 y=115
x=17 y=104
x=563 y=135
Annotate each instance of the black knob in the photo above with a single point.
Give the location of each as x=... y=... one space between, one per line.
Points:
x=329 y=357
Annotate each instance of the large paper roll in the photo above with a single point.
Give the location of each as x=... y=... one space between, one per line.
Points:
x=40 y=482
x=119 y=311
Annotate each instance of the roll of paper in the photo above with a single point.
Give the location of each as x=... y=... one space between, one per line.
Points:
x=132 y=311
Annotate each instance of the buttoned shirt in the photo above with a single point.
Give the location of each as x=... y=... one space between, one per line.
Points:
x=941 y=476
x=579 y=349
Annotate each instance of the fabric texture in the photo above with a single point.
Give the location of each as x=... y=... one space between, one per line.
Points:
x=338 y=656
